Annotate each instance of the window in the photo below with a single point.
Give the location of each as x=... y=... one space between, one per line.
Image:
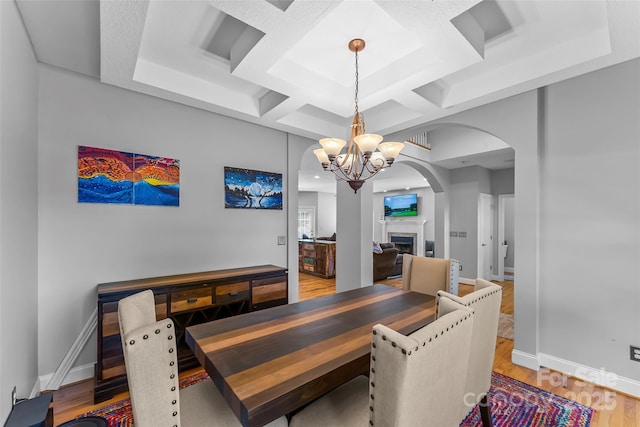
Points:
x=306 y=222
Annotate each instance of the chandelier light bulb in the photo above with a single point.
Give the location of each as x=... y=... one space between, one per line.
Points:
x=390 y=150
x=368 y=142
x=332 y=146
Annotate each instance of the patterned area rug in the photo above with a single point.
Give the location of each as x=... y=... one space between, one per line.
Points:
x=119 y=413
x=513 y=404
x=516 y=404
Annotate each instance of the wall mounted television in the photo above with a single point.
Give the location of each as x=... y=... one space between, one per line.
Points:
x=401 y=205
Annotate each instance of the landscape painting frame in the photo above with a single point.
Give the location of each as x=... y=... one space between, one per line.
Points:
x=252 y=189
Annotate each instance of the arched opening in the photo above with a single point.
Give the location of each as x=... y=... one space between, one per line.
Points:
x=463 y=163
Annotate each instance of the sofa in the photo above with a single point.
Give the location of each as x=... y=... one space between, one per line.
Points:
x=384 y=263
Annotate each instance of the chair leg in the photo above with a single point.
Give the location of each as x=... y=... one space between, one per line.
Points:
x=485 y=412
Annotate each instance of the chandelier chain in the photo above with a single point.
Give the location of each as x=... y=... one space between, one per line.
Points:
x=356 y=96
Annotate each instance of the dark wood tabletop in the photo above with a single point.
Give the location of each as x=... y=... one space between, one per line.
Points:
x=269 y=363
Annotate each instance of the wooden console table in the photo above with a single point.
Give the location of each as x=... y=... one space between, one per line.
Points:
x=317 y=257
x=188 y=299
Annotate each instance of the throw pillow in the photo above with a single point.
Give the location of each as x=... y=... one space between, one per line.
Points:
x=376 y=248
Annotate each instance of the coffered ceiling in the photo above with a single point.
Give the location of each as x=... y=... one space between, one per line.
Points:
x=285 y=64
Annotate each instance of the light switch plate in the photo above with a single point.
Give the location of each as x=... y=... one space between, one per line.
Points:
x=282 y=240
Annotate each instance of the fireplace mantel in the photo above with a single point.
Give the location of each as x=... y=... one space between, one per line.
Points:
x=406 y=225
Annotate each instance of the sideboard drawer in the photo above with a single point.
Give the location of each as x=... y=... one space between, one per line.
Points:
x=268 y=290
x=232 y=292
x=192 y=299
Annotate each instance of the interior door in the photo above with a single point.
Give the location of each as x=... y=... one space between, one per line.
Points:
x=485 y=239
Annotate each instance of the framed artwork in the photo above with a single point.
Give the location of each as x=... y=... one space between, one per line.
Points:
x=111 y=176
x=252 y=189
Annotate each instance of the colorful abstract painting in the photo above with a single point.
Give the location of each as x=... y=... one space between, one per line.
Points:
x=251 y=189
x=110 y=176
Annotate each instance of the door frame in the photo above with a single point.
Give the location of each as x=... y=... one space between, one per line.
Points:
x=485 y=217
x=501 y=233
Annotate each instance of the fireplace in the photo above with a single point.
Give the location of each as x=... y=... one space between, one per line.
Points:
x=405 y=242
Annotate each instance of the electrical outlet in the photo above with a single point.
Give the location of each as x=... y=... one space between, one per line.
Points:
x=453 y=234
x=635 y=353
x=462 y=234
x=460 y=267
x=282 y=240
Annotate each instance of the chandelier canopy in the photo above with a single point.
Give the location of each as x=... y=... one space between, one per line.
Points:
x=366 y=154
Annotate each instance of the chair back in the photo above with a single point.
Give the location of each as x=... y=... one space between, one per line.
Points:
x=149 y=348
x=412 y=382
x=485 y=301
x=425 y=274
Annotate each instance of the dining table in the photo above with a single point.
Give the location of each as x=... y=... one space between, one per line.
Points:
x=272 y=362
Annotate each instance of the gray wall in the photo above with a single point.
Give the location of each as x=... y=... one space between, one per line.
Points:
x=18 y=209
x=81 y=245
x=590 y=220
x=465 y=188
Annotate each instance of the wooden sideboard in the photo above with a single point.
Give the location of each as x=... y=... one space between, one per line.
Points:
x=317 y=257
x=188 y=299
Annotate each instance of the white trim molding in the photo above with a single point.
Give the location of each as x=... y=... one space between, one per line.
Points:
x=600 y=377
x=525 y=359
x=596 y=376
x=76 y=374
x=61 y=376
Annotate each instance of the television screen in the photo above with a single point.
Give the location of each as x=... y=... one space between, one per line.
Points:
x=401 y=205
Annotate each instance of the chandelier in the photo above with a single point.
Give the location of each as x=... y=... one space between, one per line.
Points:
x=366 y=154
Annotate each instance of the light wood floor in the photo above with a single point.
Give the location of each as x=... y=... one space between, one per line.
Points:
x=613 y=408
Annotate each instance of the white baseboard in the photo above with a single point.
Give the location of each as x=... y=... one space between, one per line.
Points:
x=467 y=281
x=508 y=270
x=525 y=359
x=76 y=374
x=596 y=376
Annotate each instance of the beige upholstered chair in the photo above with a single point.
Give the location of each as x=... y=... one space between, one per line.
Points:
x=411 y=381
x=427 y=275
x=149 y=348
x=485 y=301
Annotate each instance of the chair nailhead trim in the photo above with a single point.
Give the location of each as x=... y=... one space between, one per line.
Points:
x=132 y=342
x=170 y=337
x=144 y=337
x=173 y=388
x=172 y=376
x=171 y=363
x=175 y=413
x=169 y=325
x=157 y=331
x=170 y=350
x=173 y=402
